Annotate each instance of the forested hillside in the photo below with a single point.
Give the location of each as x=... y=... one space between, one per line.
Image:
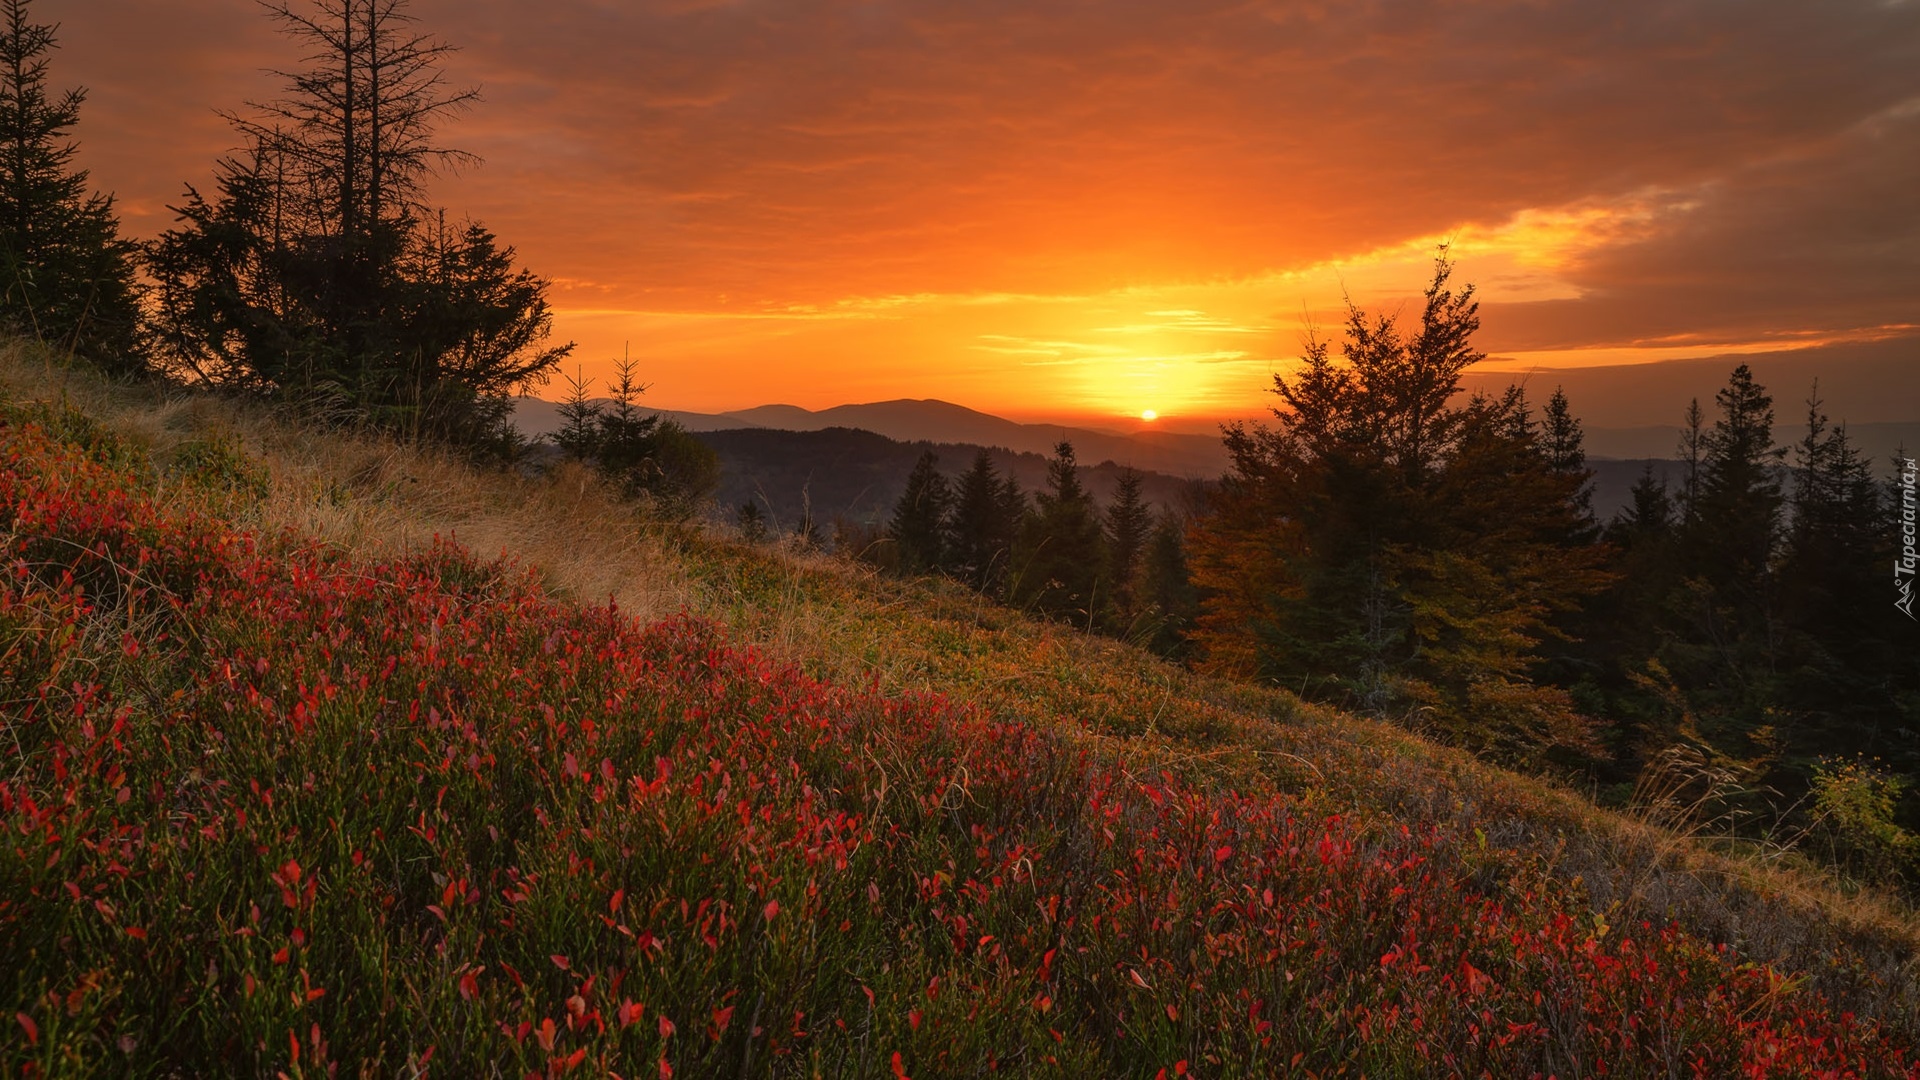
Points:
x=854 y=476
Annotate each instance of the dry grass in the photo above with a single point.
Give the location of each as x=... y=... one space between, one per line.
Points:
x=371 y=497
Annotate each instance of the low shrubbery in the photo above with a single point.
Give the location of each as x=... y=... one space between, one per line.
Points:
x=267 y=808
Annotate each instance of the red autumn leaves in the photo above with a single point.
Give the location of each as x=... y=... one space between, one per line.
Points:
x=422 y=812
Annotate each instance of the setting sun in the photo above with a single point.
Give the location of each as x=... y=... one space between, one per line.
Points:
x=1149 y=414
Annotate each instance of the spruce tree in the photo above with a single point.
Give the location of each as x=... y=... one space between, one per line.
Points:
x=1717 y=632
x=1648 y=513
x=1737 y=518
x=579 y=434
x=1693 y=442
x=980 y=529
x=751 y=522
x=1128 y=523
x=1389 y=547
x=1166 y=589
x=1844 y=656
x=1563 y=443
x=919 y=524
x=624 y=439
x=316 y=271
x=1059 y=561
x=68 y=277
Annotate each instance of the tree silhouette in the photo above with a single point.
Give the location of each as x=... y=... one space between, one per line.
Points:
x=579 y=434
x=1058 y=561
x=68 y=277
x=1166 y=588
x=981 y=526
x=1736 y=516
x=918 y=528
x=1386 y=546
x=1128 y=523
x=1563 y=443
x=316 y=270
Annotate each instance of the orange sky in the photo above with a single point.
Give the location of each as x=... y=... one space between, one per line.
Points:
x=1079 y=210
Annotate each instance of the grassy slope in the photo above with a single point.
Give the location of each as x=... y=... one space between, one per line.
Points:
x=1105 y=717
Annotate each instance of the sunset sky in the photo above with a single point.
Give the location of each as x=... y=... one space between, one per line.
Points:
x=1082 y=210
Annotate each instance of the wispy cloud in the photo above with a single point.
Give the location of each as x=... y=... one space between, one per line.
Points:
x=920 y=178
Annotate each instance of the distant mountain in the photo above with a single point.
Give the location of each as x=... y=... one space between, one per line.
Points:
x=535 y=417
x=858 y=475
x=917 y=420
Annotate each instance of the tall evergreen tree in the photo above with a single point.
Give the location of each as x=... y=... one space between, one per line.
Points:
x=919 y=524
x=66 y=276
x=1701 y=641
x=1058 y=563
x=1390 y=548
x=316 y=271
x=1166 y=587
x=624 y=439
x=1128 y=525
x=1844 y=657
x=1564 y=444
x=1836 y=533
x=1737 y=517
x=579 y=434
x=1693 y=443
x=981 y=526
x=1648 y=513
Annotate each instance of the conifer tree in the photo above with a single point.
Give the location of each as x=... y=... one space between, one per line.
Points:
x=1737 y=516
x=979 y=531
x=317 y=272
x=1014 y=506
x=1697 y=610
x=1563 y=443
x=1390 y=548
x=1058 y=563
x=1128 y=524
x=1843 y=655
x=624 y=437
x=751 y=522
x=66 y=276
x=1166 y=589
x=1647 y=515
x=1693 y=442
x=919 y=524
x=579 y=434
x=1626 y=628
x=1835 y=536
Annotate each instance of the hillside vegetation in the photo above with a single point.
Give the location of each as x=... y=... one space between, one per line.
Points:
x=324 y=755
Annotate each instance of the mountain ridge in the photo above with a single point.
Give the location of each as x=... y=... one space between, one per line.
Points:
x=935 y=421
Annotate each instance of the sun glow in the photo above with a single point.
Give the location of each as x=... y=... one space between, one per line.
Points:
x=1149 y=415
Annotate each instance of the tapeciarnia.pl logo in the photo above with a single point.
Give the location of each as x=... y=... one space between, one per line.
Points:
x=1903 y=567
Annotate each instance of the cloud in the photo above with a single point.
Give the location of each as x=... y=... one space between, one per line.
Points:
x=1660 y=171
x=1821 y=242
